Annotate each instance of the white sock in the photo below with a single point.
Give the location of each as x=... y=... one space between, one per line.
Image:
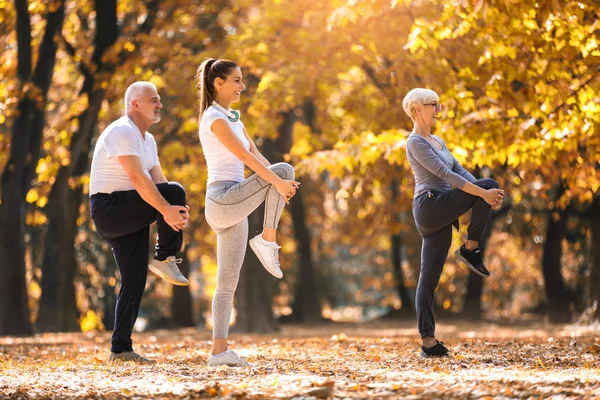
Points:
x=220 y=354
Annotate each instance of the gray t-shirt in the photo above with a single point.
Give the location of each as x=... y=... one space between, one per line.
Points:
x=434 y=169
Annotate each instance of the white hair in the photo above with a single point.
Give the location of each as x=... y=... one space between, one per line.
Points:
x=417 y=97
x=135 y=91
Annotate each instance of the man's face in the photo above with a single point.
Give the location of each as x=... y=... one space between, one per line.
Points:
x=149 y=105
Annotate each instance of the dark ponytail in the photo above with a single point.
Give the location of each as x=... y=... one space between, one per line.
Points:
x=208 y=71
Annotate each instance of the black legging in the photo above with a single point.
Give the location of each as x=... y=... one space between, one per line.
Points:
x=434 y=213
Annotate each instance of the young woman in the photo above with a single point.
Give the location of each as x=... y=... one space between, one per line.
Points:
x=230 y=198
x=444 y=191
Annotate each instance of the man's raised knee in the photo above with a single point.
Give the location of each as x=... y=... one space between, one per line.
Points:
x=284 y=170
x=173 y=192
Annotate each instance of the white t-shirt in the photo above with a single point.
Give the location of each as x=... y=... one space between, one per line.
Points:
x=222 y=164
x=121 y=138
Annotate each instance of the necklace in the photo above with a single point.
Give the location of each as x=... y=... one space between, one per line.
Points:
x=232 y=115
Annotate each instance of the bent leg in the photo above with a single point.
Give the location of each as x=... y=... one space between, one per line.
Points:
x=227 y=206
x=169 y=241
x=436 y=212
x=480 y=215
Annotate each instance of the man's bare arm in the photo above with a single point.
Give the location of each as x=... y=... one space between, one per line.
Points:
x=150 y=194
x=157 y=174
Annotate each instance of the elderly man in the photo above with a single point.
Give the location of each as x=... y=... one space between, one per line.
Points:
x=129 y=192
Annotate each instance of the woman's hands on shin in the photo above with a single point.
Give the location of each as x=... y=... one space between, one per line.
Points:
x=494 y=197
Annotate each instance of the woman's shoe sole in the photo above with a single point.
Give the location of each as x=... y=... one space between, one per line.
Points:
x=472 y=268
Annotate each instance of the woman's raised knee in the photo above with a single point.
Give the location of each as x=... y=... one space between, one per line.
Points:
x=492 y=183
x=487 y=183
x=284 y=170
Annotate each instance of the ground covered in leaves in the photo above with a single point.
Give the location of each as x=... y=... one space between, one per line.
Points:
x=375 y=360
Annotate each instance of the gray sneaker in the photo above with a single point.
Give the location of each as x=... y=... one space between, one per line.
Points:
x=129 y=356
x=168 y=271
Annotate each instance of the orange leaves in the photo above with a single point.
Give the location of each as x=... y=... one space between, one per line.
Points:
x=323 y=390
x=378 y=361
x=341 y=337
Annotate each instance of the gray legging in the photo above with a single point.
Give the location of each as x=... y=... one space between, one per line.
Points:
x=228 y=204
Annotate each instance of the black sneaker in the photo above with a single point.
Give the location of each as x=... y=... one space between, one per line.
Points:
x=473 y=259
x=439 y=350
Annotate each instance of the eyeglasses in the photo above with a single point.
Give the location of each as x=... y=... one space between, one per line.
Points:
x=438 y=106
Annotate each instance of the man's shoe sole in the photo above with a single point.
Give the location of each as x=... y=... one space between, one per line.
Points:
x=172 y=282
x=112 y=360
x=472 y=268
x=264 y=264
x=425 y=355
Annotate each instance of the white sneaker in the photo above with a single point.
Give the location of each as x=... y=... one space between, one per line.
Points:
x=229 y=358
x=168 y=271
x=268 y=255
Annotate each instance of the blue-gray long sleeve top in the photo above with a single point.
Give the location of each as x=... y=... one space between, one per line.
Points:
x=434 y=169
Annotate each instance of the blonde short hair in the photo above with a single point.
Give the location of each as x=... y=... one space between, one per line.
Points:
x=418 y=97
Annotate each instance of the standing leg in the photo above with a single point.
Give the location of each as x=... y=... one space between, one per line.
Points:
x=231 y=248
x=433 y=256
x=131 y=255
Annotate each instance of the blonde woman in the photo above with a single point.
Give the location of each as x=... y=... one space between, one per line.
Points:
x=444 y=191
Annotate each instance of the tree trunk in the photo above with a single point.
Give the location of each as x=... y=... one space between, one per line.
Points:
x=472 y=308
x=109 y=300
x=18 y=172
x=396 y=259
x=399 y=275
x=58 y=311
x=181 y=302
x=557 y=295
x=253 y=295
x=306 y=306
x=594 y=280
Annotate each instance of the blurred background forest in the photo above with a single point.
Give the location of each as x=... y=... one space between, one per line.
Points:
x=520 y=80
